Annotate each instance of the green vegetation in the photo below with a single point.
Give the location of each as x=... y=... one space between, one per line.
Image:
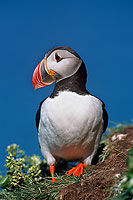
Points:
x=124 y=188
x=25 y=180
x=20 y=168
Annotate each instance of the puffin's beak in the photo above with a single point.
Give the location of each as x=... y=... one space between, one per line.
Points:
x=42 y=76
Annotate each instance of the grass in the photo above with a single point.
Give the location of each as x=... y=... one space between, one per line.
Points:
x=41 y=189
x=124 y=188
x=26 y=180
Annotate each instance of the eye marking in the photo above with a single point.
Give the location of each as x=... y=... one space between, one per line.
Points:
x=58 y=58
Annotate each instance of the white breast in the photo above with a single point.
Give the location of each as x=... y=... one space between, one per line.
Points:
x=70 y=120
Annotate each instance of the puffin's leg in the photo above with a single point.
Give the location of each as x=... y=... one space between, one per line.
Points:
x=50 y=159
x=78 y=170
x=52 y=169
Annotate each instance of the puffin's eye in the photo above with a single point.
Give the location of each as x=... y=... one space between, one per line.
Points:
x=57 y=58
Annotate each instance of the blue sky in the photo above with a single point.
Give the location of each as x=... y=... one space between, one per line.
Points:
x=100 y=31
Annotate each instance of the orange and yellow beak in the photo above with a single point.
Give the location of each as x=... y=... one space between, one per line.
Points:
x=42 y=76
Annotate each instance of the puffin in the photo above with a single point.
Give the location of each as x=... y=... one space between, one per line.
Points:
x=71 y=121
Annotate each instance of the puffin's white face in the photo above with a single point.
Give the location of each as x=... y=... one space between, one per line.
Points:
x=57 y=65
x=63 y=63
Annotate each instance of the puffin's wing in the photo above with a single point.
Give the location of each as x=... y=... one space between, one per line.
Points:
x=105 y=115
x=38 y=114
x=105 y=118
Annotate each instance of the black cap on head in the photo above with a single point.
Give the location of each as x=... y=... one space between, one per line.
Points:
x=63 y=48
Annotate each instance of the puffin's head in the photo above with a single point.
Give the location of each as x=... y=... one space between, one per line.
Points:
x=59 y=63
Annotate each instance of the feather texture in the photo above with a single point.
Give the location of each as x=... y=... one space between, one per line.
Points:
x=70 y=125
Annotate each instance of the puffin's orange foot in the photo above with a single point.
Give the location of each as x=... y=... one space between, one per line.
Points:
x=78 y=170
x=52 y=169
